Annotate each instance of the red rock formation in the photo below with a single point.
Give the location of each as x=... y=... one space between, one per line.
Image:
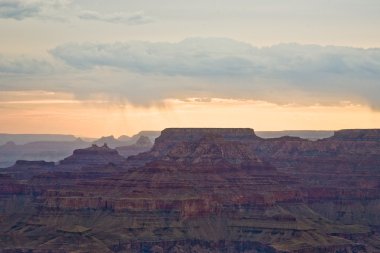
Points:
x=208 y=190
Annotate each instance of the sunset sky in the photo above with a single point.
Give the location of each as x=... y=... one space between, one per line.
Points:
x=94 y=68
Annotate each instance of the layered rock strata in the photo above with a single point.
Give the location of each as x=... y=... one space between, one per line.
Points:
x=202 y=190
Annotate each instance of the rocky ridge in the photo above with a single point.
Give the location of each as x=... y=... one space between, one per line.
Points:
x=94 y=155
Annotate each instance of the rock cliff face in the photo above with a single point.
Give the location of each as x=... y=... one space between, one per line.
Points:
x=201 y=190
x=9 y=186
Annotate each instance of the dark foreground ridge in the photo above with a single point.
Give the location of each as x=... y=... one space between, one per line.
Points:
x=200 y=190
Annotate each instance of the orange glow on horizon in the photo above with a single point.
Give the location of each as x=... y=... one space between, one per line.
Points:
x=61 y=114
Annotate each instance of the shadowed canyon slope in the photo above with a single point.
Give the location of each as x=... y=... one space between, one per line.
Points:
x=200 y=190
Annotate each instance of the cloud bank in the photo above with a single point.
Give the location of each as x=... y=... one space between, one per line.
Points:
x=146 y=72
x=319 y=70
x=224 y=57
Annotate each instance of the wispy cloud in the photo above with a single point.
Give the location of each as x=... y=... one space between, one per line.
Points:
x=136 y=18
x=23 y=65
x=18 y=9
x=63 y=10
x=21 y=9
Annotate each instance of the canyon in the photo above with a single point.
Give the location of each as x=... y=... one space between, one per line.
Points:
x=54 y=148
x=199 y=190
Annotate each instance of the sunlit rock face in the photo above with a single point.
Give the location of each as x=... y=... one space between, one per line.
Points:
x=201 y=190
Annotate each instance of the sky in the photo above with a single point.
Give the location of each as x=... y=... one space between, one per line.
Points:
x=94 y=68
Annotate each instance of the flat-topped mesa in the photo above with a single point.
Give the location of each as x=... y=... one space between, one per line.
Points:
x=94 y=155
x=23 y=170
x=357 y=135
x=172 y=136
x=208 y=149
x=197 y=133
